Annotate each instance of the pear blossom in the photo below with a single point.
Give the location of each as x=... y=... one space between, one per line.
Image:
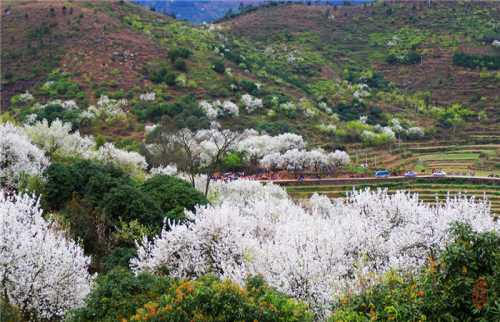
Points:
x=41 y=272
x=69 y=105
x=313 y=252
x=18 y=155
x=107 y=107
x=219 y=109
x=251 y=103
x=132 y=161
x=148 y=97
x=58 y=138
x=169 y=170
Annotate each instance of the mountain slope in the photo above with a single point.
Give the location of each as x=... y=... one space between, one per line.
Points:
x=330 y=39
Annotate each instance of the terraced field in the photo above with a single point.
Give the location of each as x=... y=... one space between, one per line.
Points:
x=428 y=192
x=454 y=158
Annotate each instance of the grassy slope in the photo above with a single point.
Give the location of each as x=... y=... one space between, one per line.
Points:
x=357 y=36
x=105 y=46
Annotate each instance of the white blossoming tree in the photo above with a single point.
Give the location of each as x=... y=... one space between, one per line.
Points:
x=18 y=155
x=195 y=153
x=41 y=272
x=311 y=254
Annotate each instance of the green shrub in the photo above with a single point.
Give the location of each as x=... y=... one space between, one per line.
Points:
x=118 y=294
x=209 y=299
x=52 y=112
x=60 y=85
x=127 y=202
x=476 y=61
x=185 y=112
x=461 y=285
x=219 y=67
x=173 y=195
x=233 y=162
x=179 y=52
x=180 y=65
x=249 y=87
x=119 y=258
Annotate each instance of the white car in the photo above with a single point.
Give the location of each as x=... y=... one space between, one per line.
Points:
x=439 y=173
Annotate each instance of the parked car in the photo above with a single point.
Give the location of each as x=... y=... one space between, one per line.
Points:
x=382 y=174
x=410 y=174
x=439 y=173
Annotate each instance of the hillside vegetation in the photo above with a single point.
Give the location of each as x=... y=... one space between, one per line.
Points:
x=374 y=74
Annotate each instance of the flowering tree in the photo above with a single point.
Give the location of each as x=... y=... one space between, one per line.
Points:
x=256 y=146
x=314 y=160
x=58 y=138
x=310 y=253
x=41 y=272
x=200 y=152
x=251 y=103
x=219 y=109
x=130 y=161
x=18 y=155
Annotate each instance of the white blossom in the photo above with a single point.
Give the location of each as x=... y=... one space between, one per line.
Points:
x=18 y=155
x=25 y=97
x=131 y=161
x=219 y=109
x=110 y=108
x=69 y=105
x=251 y=103
x=310 y=253
x=169 y=170
x=41 y=272
x=148 y=97
x=415 y=132
x=57 y=138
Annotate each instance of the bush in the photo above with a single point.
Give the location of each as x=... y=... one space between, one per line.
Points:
x=52 y=112
x=127 y=202
x=118 y=294
x=476 y=61
x=84 y=178
x=180 y=65
x=250 y=87
x=179 y=52
x=185 y=112
x=233 y=162
x=219 y=67
x=209 y=299
x=173 y=195
x=60 y=85
x=273 y=128
x=461 y=285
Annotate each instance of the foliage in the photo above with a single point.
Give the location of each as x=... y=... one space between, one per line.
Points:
x=218 y=66
x=59 y=84
x=83 y=178
x=118 y=294
x=208 y=299
x=185 y=112
x=476 y=61
x=172 y=195
x=179 y=52
x=52 y=112
x=461 y=285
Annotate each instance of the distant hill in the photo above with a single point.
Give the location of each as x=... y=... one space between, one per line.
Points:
x=200 y=11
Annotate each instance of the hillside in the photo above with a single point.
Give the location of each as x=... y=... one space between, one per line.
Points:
x=331 y=39
x=354 y=77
